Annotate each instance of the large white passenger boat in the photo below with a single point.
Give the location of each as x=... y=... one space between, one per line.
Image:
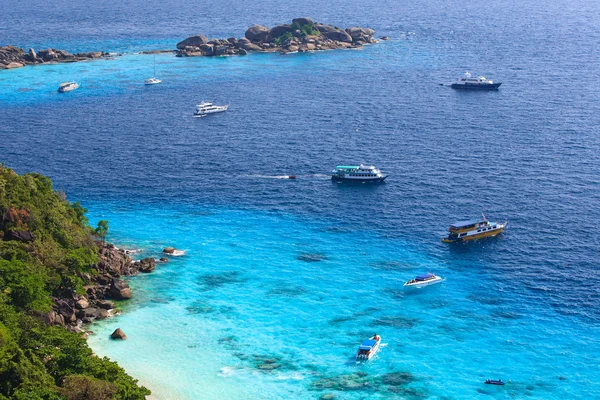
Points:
x=206 y=108
x=368 y=348
x=357 y=173
x=475 y=229
x=474 y=83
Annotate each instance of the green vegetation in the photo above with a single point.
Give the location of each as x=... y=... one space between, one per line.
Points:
x=305 y=30
x=38 y=361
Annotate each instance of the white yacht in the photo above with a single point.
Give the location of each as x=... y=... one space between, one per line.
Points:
x=424 y=280
x=206 y=108
x=67 y=86
x=475 y=83
x=154 y=80
x=357 y=173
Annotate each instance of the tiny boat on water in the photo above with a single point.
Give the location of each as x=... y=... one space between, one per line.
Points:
x=495 y=382
x=357 y=173
x=205 y=108
x=474 y=229
x=67 y=86
x=479 y=83
x=154 y=80
x=424 y=280
x=368 y=348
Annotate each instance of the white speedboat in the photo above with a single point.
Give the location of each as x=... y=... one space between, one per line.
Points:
x=424 y=280
x=475 y=83
x=67 y=86
x=357 y=173
x=368 y=348
x=206 y=108
x=154 y=80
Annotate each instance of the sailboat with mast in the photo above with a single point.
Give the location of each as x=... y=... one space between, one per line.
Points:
x=154 y=80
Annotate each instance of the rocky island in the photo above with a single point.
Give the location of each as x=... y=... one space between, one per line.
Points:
x=15 y=57
x=302 y=35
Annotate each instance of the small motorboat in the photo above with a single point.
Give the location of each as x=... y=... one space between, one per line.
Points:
x=495 y=382
x=291 y=177
x=368 y=348
x=468 y=82
x=424 y=280
x=67 y=86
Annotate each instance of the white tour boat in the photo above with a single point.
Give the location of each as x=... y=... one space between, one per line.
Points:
x=479 y=83
x=424 y=280
x=206 y=108
x=474 y=229
x=67 y=86
x=154 y=80
x=357 y=173
x=368 y=348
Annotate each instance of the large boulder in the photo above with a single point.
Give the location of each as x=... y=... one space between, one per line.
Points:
x=339 y=35
x=360 y=34
x=47 y=54
x=220 y=50
x=118 y=334
x=119 y=290
x=195 y=41
x=20 y=236
x=279 y=30
x=302 y=21
x=325 y=28
x=257 y=33
x=147 y=265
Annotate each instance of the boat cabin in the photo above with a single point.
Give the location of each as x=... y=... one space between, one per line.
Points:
x=366 y=347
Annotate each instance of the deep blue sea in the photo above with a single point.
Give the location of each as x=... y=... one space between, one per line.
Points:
x=244 y=315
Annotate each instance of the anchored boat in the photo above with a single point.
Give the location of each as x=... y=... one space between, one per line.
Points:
x=475 y=229
x=479 y=83
x=368 y=348
x=424 y=280
x=67 y=86
x=357 y=173
x=205 y=108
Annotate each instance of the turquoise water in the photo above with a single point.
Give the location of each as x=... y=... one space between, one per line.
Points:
x=283 y=279
x=203 y=324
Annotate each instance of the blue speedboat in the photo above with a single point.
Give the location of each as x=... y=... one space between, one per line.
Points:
x=495 y=382
x=368 y=348
x=424 y=280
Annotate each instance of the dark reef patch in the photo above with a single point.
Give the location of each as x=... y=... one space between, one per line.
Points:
x=215 y=281
x=488 y=300
x=397 y=321
x=200 y=307
x=311 y=257
x=289 y=291
x=349 y=382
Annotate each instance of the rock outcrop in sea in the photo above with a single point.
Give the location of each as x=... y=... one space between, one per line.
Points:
x=72 y=310
x=302 y=35
x=15 y=57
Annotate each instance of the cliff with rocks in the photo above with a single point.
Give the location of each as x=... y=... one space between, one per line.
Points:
x=55 y=275
x=302 y=35
x=15 y=57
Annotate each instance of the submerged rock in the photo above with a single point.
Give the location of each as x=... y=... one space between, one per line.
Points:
x=118 y=334
x=311 y=257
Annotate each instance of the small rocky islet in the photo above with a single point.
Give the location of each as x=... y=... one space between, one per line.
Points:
x=302 y=35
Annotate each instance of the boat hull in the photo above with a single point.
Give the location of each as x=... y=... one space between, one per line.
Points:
x=424 y=283
x=493 y=86
x=492 y=233
x=358 y=180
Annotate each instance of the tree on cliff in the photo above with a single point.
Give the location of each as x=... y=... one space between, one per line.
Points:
x=102 y=229
x=47 y=248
